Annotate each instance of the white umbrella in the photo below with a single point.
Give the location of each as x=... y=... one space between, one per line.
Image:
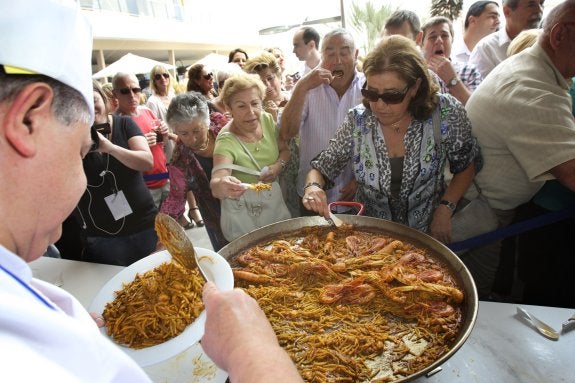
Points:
x=130 y=63
x=212 y=61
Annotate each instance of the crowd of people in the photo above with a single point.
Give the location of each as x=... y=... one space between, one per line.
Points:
x=425 y=125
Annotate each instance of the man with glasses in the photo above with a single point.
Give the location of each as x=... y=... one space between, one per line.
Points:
x=127 y=91
x=492 y=49
x=481 y=19
x=521 y=115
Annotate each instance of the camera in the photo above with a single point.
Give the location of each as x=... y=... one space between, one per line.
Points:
x=94 y=130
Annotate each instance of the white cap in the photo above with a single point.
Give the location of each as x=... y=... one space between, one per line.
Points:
x=49 y=37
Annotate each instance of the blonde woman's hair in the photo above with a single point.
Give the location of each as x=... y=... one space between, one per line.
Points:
x=240 y=82
x=261 y=62
x=523 y=40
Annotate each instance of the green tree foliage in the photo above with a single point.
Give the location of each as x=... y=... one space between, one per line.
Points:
x=448 y=8
x=368 y=19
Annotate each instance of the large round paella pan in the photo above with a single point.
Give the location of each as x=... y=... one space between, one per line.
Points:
x=370 y=301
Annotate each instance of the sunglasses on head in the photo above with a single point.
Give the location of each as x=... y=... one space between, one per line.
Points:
x=126 y=91
x=160 y=75
x=208 y=76
x=391 y=97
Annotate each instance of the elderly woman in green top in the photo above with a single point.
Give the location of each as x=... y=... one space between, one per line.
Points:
x=247 y=148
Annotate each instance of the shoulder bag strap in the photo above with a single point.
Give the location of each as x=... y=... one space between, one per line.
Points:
x=247 y=151
x=238 y=168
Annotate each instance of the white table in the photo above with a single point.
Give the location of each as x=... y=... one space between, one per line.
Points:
x=500 y=349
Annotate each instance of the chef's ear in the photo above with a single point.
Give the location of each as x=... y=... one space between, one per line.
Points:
x=30 y=110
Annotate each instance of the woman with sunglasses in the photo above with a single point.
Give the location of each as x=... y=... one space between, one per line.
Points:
x=399 y=141
x=200 y=79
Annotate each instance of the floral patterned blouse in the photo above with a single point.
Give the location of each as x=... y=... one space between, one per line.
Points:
x=360 y=138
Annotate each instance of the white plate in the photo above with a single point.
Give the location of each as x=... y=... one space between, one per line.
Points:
x=213 y=264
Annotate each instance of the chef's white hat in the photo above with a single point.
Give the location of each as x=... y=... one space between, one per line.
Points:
x=49 y=37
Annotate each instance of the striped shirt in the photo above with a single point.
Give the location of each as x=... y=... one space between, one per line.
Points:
x=322 y=114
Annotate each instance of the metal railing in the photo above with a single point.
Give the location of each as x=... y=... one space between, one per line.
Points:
x=157 y=9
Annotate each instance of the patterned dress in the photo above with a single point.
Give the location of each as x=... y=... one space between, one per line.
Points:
x=360 y=139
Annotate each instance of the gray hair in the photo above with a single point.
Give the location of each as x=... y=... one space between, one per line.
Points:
x=187 y=107
x=68 y=105
x=338 y=32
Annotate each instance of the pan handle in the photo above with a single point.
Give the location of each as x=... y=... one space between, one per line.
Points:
x=358 y=205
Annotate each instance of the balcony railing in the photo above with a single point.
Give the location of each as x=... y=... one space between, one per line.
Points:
x=157 y=9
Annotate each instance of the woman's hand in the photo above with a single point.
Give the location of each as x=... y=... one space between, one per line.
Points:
x=315 y=199
x=227 y=187
x=271 y=172
x=441 y=224
x=272 y=108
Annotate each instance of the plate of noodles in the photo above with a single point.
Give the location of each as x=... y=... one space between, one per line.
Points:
x=151 y=274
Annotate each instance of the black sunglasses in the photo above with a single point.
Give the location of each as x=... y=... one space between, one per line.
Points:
x=159 y=76
x=125 y=91
x=392 y=98
x=208 y=76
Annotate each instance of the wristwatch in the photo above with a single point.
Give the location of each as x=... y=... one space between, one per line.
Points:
x=454 y=81
x=450 y=205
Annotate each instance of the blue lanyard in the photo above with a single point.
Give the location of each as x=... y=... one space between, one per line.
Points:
x=27 y=287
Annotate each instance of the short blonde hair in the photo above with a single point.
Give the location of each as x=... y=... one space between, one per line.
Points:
x=523 y=40
x=240 y=82
x=261 y=62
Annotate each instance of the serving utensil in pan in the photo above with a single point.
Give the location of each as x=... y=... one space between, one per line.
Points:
x=175 y=239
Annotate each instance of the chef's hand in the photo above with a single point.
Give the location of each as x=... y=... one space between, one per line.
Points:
x=234 y=322
x=441 y=224
x=98 y=319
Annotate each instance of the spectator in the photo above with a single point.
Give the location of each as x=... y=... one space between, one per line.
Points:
x=318 y=106
x=201 y=80
x=492 y=49
x=521 y=115
x=114 y=235
x=197 y=130
x=400 y=139
x=127 y=92
x=269 y=70
x=482 y=19
x=404 y=23
x=461 y=78
x=238 y=56
x=306 y=48
x=247 y=151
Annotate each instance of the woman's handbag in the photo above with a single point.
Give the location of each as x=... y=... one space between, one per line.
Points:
x=473 y=219
x=253 y=209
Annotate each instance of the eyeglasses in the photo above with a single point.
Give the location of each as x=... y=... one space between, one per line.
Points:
x=126 y=91
x=208 y=76
x=160 y=75
x=392 y=98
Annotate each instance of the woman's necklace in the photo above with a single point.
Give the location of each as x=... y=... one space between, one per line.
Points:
x=396 y=126
x=206 y=145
